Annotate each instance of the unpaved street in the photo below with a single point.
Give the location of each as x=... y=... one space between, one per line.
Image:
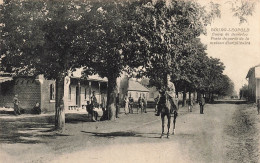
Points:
x=225 y=133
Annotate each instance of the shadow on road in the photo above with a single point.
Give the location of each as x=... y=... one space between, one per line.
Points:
x=34 y=129
x=121 y=134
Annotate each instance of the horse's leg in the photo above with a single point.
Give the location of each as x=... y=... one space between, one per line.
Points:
x=174 y=121
x=169 y=124
x=162 y=118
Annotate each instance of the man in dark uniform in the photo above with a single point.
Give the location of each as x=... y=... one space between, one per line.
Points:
x=131 y=103
x=117 y=105
x=202 y=103
x=144 y=103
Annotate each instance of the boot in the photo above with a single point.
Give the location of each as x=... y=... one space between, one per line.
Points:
x=158 y=112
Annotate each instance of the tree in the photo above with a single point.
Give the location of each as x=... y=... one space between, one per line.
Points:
x=244 y=92
x=165 y=30
x=42 y=38
x=108 y=44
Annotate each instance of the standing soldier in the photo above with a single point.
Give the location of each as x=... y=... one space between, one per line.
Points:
x=190 y=105
x=93 y=100
x=156 y=103
x=16 y=105
x=131 y=103
x=140 y=105
x=202 y=103
x=117 y=106
x=144 y=103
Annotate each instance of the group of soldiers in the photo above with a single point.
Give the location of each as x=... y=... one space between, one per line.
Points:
x=129 y=103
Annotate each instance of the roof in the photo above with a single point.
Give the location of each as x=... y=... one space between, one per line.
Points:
x=136 y=86
x=96 y=78
x=251 y=70
x=4 y=79
x=92 y=78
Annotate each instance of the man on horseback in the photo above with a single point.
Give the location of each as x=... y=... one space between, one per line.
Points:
x=167 y=106
x=166 y=98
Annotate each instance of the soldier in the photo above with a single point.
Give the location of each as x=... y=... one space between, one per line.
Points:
x=144 y=103
x=16 y=105
x=131 y=103
x=190 y=105
x=202 y=103
x=117 y=106
x=93 y=100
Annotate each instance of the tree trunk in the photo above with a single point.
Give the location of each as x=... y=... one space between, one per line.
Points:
x=111 y=98
x=189 y=95
x=59 y=105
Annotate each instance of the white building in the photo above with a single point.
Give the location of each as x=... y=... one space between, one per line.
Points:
x=253 y=77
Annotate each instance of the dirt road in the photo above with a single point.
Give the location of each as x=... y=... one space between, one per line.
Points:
x=225 y=133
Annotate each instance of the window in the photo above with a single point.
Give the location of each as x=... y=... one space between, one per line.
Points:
x=52 y=92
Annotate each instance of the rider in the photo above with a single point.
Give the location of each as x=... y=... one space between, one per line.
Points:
x=169 y=93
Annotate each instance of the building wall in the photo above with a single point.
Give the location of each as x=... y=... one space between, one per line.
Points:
x=47 y=104
x=252 y=86
x=257 y=89
x=153 y=93
x=86 y=93
x=7 y=94
x=28 y=90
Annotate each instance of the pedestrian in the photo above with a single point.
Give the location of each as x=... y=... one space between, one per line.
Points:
x=190 y=105
x=156 y=103
x=144 y=103
x=131 y=103
x=117 y=106
x=93 y=100
x=202 y=103
x=126 y=100
x=36 y=108
x=140 y=104
x=90 y=110
x=16 y=105
x=258 y=106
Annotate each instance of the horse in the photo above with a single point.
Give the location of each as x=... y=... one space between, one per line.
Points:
x=169 y=109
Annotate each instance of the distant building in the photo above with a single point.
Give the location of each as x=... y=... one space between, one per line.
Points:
x=136 y=89
x=253 y=77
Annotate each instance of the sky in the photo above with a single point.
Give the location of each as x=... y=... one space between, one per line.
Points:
x=238 y=59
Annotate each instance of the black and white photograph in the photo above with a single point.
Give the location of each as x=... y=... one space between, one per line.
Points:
x=130 y=81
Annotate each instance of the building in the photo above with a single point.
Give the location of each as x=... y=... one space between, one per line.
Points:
x=80 y=91
x=30 y=90
x=136 y=90
x=33 y=89
x=253 y=77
